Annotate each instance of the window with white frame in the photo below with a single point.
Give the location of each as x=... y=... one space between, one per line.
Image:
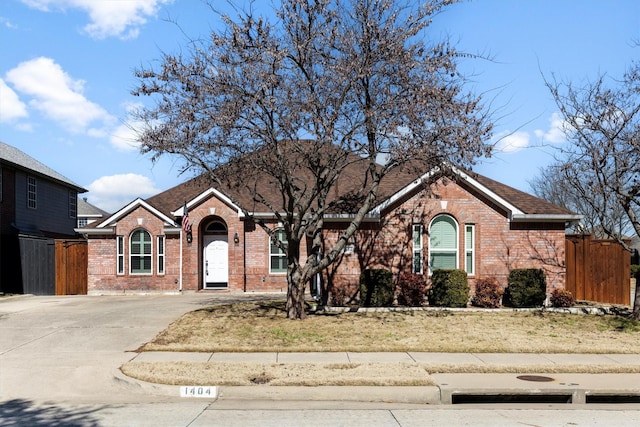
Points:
x=120 y=254
x=443 y=243
x=417 y=249
x=160 y=246
x=469 y=248
x=140 y=252
x=278 y=257
x=32 y=193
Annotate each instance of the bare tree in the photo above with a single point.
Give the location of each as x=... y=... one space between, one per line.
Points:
x=601 y=165
x=551 y=185
x=318 y=88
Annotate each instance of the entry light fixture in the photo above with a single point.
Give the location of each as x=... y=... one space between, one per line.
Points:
x=189 y=237
x=236 y=239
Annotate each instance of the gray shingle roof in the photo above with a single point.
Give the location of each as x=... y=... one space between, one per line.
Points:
x=19 y=159
x=86 y=209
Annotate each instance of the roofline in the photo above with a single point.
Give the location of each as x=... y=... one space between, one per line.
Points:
x=137 y=202
x=95 y=231
x=203 y=196
x=546 y=218
x=510 y=208
x=68 y=183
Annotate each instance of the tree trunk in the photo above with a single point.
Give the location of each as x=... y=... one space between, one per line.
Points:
x=295 y=301
x=636 y=305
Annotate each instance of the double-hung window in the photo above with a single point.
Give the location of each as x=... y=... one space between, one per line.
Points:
x=469 y=248
x=140 y=252
x=278 y=257
x=417 y=249
x=73 y=204
x=120 y=254
x=160 y=262
x=443 y=243
x=32 y=193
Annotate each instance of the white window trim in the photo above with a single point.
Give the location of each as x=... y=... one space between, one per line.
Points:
x=470 y=250
x=161 y=255
x=415 y=250
x=120 y=255
x=131 y=255
x=281 y=255
x=30 y=180
x=456 y=251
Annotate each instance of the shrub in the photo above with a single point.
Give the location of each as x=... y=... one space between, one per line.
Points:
x=635 y=270
x=376 y=288
x=488 y=293
x=527 y=288
x=413 y=288
x=449 y=288
x=561 y=298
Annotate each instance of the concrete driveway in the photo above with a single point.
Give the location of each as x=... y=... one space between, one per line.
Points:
x=70 y=348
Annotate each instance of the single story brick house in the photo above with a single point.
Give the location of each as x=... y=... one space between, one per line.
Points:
x=461 y=220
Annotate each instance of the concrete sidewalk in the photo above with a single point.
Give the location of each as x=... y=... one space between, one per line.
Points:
x=449 y=388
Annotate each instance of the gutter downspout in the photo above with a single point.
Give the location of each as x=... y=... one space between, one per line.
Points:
x=244 y=257
x=181 y=254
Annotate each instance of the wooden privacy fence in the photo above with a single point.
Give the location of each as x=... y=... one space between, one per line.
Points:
x=52 y=266
x=71 y=267
x=597 y=270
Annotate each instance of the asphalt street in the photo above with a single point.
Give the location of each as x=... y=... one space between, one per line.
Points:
x=60 y=359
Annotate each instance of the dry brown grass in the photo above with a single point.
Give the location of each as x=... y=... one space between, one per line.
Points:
x=343 y=374
x=262 y=327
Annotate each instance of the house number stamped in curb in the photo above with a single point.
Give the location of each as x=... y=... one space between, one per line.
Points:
x=199 y=391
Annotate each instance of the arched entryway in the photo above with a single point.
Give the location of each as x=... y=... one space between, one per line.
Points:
x=215 y=254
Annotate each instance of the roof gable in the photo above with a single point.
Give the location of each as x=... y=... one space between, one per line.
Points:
x=131 y=207
x=21 y=160
x=520 y=206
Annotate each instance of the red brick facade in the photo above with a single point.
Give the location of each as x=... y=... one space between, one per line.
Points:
x=500 y=244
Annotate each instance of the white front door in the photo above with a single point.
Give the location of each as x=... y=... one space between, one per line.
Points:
x=215 y=261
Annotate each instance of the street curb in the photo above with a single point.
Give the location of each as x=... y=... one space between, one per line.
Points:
x=388 y=394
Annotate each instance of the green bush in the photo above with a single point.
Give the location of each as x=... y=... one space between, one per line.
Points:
x=449 y=288
x=376 y=288
x=561 y=298
x=527 y=288
x=488 y=293
x=635 y=271
x=413 y=288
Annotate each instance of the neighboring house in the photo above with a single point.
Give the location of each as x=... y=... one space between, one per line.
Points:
x=88 y=213
x=466 y=221
x=37 y=205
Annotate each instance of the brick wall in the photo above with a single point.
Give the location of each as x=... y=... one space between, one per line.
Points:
x=500 y=245
x=102 y=252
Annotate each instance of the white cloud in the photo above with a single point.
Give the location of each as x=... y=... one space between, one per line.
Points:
x=115 y=191
x=109 y=18
x=555 y=134
x=11 y=108
x=125 y=136
x=510 y=142
x=58 y=96
x=8 y=24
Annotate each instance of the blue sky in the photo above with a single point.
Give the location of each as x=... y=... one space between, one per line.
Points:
x=66 y=72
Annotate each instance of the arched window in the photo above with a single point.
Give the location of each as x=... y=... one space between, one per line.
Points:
x=140 y=252
x=443 y=243
x=216 y=227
